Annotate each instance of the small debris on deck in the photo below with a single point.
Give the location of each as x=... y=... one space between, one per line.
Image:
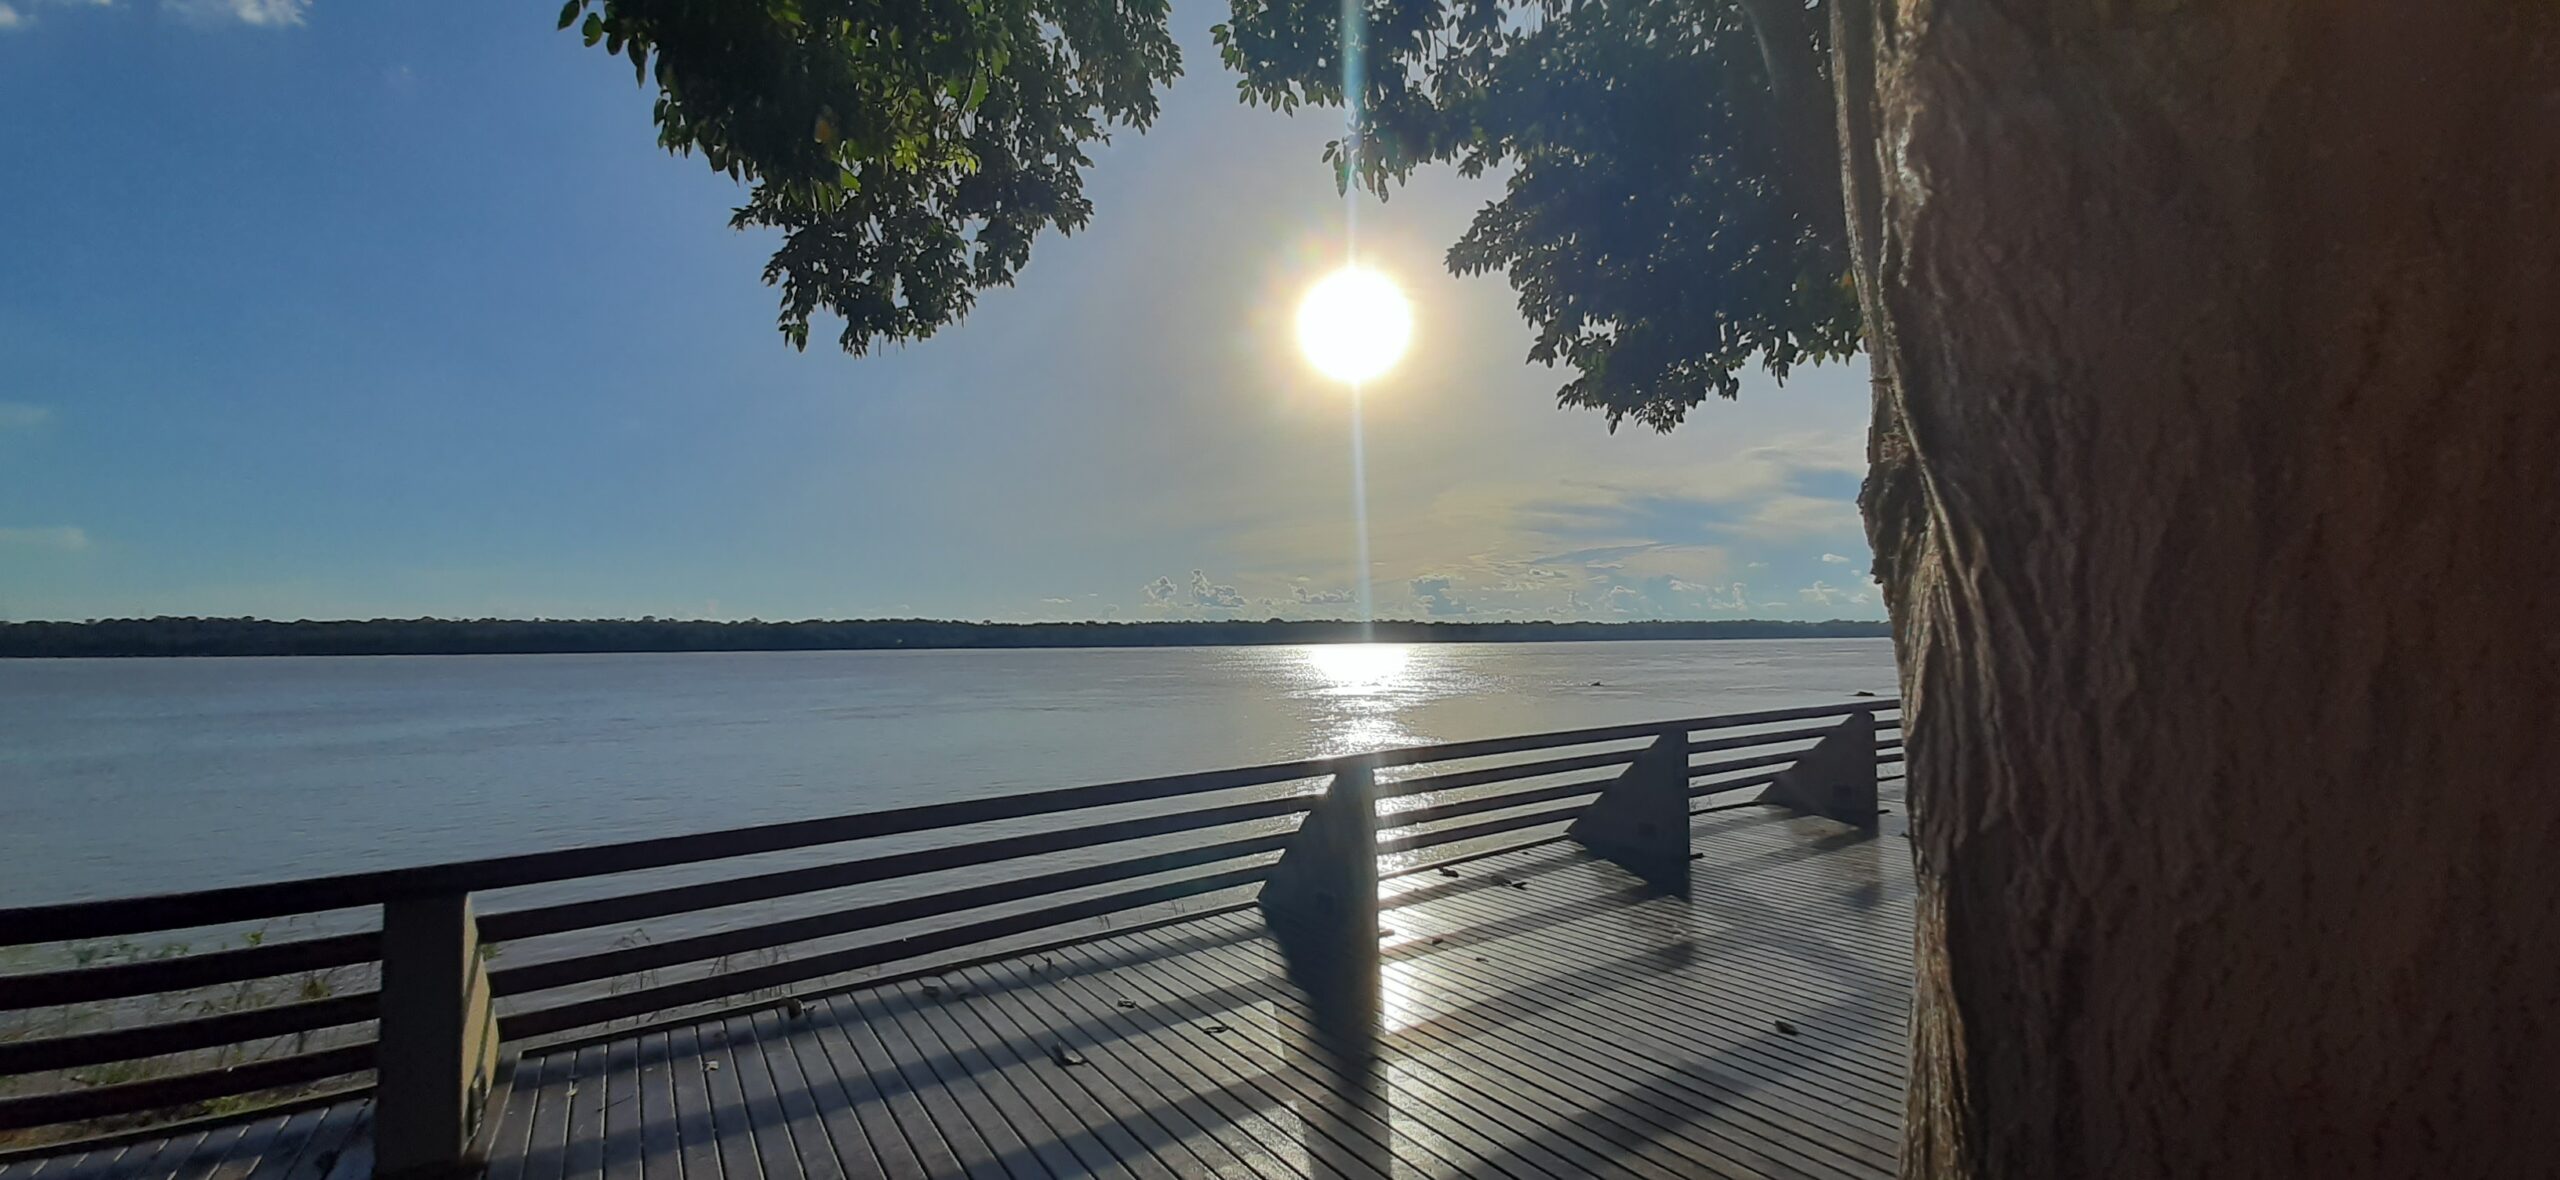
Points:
x=1065 y=1056
x=1786 y=1027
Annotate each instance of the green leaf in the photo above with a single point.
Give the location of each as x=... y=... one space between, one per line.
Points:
x=593 y=30
x=569 y=12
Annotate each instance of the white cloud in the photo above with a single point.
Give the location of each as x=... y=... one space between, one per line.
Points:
x=1206 y=593
x=11 y=18
x=1162 y=592
x=20 y=415
x=1319 y=597
x=67 y=538
x=261 y=13
x=1836 y=559
x=1824 y=593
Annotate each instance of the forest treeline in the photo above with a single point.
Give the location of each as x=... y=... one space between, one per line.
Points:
x=171 y=636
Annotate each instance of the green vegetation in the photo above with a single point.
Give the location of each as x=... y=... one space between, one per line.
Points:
x=1673 y=211
x=909 y=153
x=261 y=637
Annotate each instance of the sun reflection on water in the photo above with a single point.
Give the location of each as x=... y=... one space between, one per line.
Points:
x=1361 y=669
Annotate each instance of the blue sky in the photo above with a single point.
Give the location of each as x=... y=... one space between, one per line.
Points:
x=327 y=308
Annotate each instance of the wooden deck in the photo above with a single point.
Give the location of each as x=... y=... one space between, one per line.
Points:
x=1545 y=1015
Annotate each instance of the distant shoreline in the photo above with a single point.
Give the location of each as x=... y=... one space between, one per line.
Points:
x=165 y=637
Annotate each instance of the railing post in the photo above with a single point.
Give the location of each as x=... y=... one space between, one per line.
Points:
x=1321 y=902
x=1836 y=778
x=1641 y=820
x=437 y=1058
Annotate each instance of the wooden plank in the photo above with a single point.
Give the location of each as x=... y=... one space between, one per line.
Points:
x=1125 y=1132
x=353 y=1159
x=697 y=1127
x=899 y=1128
x=733 y=1127
x=1232 y=1063
x=254 y=1141
x=1725 y=1009
x=208 y=1152
x=1748 y=984
x=667 y=997
x=1748 y=920
x=547 y=1140
x=158 y=1159
x=179 y=1036
x=654 y=1106
x=93 y=1164
x=72 y=1106
x=1513 y=772
x=620 y=1132
x=301 y=1160
x=83 y=985
x=777 y=1149
x=583 y=1155
x=683 y=899
x=864 y=1134
x=1651 y=1084
x=275 y=1153
x=964 y=1116
x=1489 y=1063
x=959 y=1061
x=509 y=1142
x=1502 y=802
x=1352 y=1138
x=1679 y=1012
x=851 y=919
x=1477 y=1090
x=830 y=1144
x=1493 y=827
x=1223 y=1132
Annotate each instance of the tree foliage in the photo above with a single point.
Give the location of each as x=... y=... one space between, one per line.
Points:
x=908 y=150
x=1657 y=222
x=1671 y=214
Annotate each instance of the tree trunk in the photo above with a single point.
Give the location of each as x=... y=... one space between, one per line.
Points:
x=2216 y=498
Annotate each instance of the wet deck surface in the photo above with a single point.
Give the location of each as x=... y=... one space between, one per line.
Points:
x=1544 y=1015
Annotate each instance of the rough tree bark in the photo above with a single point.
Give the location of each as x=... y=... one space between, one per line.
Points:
x=2217 y=499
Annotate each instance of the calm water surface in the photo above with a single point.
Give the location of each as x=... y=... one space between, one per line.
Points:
x=138 y=776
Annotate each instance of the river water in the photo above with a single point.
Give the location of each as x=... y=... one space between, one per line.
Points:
x=140 y=776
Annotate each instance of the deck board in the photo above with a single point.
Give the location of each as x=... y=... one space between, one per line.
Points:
x=1576 y=1024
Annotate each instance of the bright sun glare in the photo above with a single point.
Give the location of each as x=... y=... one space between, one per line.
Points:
x=1355 y=666
x=1354 y=324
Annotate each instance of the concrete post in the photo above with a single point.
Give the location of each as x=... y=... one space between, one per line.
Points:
x=438 y=1054
x=1836 y=778
x=1641 y=820
x=1321 y=903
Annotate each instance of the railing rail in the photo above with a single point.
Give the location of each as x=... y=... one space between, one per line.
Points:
x=1510 y=794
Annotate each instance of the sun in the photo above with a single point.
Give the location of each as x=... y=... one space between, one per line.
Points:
x=1354 y=324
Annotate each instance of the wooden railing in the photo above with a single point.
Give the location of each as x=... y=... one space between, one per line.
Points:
x=442 y=1006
